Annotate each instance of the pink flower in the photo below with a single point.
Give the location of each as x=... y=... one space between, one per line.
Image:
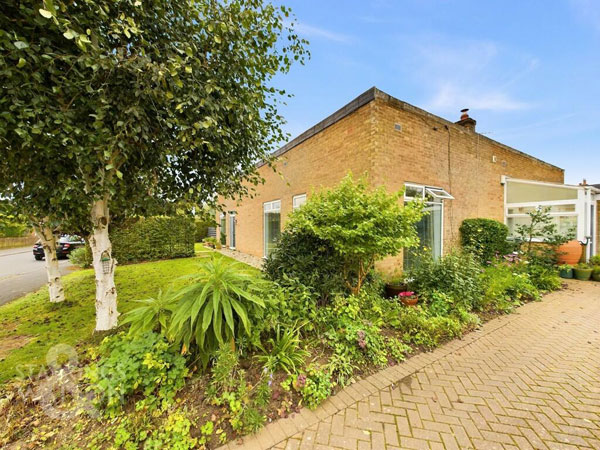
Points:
x=406 y=294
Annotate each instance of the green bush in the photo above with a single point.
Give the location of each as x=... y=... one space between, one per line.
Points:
x=543 y=277
x=456 y=275
x=507 y=285
x=419 y=328
x=595 y=260
x=153 y=238
x=308 y=259
x=284 y=351
x=218 y=305
x=485 y=238
x=153 y=314
x=201 y=229
x=136 y=365
x=315 y=385
x=362 y=225
x=81 y=257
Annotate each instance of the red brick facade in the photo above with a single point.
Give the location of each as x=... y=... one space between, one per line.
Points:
x=394 y=143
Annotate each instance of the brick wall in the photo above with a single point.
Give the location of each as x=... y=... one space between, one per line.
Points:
x=322 y=160
x=431 y=151
x=427 y=150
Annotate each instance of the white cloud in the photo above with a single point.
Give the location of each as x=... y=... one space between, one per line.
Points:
x=311 y=31
x=476 y=74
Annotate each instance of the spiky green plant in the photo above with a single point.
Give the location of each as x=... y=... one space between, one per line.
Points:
x=153 y=314
x=216 y=307
x=285 y=351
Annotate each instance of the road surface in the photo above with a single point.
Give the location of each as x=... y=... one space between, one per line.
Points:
x=20 y=273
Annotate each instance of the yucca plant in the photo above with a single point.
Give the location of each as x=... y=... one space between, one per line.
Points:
x=153 y=314
x=216 y=306
x=285 y=351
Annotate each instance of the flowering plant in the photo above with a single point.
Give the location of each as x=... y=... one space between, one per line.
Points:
x=406 y=294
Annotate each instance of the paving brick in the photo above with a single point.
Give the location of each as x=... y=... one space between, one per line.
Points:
x=526 y=381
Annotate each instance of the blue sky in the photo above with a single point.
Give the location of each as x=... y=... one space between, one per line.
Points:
x=529 y=71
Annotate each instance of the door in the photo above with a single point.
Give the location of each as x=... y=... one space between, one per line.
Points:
x=232 y=230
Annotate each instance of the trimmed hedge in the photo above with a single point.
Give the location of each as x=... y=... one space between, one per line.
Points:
x=485 y=238
x=153 y=238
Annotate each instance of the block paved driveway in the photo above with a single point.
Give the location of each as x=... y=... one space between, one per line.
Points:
x=526 y=380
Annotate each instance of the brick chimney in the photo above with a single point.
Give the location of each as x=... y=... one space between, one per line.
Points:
x=466 y=121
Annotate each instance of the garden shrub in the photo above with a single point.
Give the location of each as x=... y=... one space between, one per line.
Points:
x=308 y=259
x=219 y=304
x=456 y=275
x=507 y=285
x=153 y=238
x=144 y=364
x=315 y=385
x=362 y=225
x=485 y=238
x=81 y=257
x=419 y=328
x=543 y=277
x=229 y=388
x=595 y=260
x=201 y=229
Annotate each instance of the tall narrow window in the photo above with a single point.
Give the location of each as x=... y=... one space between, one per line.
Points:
x=298 y=201
x=430 y=227
x=223 y=229
x=272 y=225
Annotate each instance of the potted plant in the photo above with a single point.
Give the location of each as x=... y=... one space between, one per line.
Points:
x=565 y=271
x=596 y=273
x=394 y=286
x=408 y=298
x=595 y=260
x=582 y=272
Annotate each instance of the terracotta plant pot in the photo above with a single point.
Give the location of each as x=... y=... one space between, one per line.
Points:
x=569 y=252
x=393 y=289
x=409 y=301
x=582 y=274
x=566 y=273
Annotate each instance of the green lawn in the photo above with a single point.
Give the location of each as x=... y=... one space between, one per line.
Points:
x=31 y=325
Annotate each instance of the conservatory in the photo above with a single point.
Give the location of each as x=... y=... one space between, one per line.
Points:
x=573 y=208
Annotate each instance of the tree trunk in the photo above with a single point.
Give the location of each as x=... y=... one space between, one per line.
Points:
x=48 y=238
x=104 y=267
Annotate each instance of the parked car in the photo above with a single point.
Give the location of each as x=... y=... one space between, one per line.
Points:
x=66 y=244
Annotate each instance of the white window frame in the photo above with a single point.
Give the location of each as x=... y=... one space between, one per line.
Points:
x=296 y=198
x=272 y=206
x=437 y=200
x=580 y=205
x=232 y=233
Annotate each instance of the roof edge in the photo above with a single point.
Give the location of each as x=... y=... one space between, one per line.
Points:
x=367 y=97
x=364 y=98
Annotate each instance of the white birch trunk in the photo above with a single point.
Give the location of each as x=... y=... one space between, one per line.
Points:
x=106 y=291
x=48 y=238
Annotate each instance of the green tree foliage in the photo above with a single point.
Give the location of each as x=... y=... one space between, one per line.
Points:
x=122 y=104
x=485 y=238
x=362 y=225
x=539 y=238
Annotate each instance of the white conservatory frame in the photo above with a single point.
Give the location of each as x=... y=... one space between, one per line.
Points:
x=584 y=211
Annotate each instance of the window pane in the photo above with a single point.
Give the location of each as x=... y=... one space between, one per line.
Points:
x=272 y=231
x=564 y=224
x=223 y=230
x=298 y=201
x=413 y=191
x=524 y=193
x=553 y=209
x=429 y=229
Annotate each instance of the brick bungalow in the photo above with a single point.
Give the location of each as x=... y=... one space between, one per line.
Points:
x=460 y=172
